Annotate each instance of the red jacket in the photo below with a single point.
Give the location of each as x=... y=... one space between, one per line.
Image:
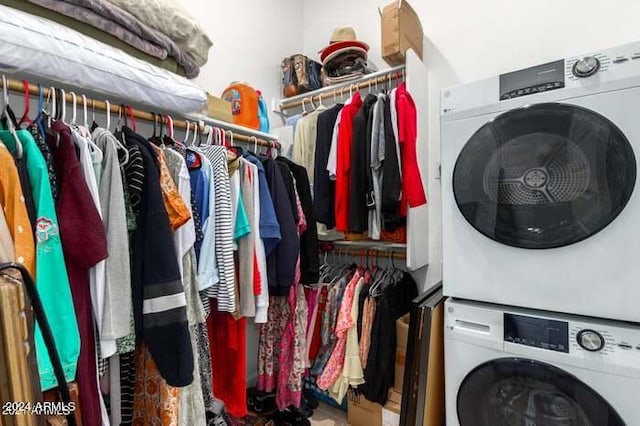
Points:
x=343 y=165
x=413 y=194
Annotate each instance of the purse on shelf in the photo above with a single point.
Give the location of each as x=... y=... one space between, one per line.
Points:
x=300 y=74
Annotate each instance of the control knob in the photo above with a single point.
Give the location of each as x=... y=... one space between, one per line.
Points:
x=590 y=340
x=585 y=67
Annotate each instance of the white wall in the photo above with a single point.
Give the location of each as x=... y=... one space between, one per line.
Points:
x=466 y=40
x=250 y=38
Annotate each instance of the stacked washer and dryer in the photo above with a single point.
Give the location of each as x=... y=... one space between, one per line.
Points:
x=541 y=244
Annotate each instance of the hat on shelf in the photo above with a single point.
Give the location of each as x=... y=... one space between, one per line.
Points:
x=343 y=40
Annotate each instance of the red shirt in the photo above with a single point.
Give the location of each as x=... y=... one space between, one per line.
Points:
x=412 y=190
x=343 y=162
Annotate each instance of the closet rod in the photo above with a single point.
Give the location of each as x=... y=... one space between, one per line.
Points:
x=34 y=90
x=396 y=73
x=364 y=253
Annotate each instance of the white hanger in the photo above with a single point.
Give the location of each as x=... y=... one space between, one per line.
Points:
x=304 y=108
x=320 y=99
x=64 y=105
x=209 y=131
x=231 y=138
x=186 y=133
x=108 y=114
x=255 y=144
x=84 y=110
x=74 y=103
x=170 y=125
x=195 y=134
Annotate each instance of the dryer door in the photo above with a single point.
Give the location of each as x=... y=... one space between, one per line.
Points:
x=544 y=176
x=523 y=392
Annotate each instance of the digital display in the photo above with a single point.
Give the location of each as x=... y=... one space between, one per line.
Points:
x=532 y=80
x=537 y=332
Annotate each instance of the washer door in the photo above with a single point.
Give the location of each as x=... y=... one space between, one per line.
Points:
x=522 y=392
x=544 y=176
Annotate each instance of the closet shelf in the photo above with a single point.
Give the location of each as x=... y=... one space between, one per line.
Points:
x=366 y=81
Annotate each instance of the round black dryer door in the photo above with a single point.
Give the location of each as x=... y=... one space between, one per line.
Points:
x=544 y=176
x=522 y=392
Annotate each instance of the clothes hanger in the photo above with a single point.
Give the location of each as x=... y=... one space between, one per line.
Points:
x=63 y=105
x=186 y=133
x=85 y=120
x=109 y=114
x=255 y=149
x=195 y=135
x=304 y=108
x=27 y=100
x=74 y=103
x=129 y=110
x=168 y=139
x=8 y=112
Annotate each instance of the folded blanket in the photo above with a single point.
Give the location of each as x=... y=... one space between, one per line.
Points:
x=123 y=25
x=170 y=17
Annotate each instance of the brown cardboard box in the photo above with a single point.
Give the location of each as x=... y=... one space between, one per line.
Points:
x=219 y=109
x=362 y=412
x=402 y=335
x=401 y=30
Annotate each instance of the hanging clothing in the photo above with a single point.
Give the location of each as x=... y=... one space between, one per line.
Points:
x=117 y=301
x=334 y=366
x=158 y=295
x=413 y=194
x=391 y=171
x=324 y=189
x=51 y=273
x=309 y=260
x=281 y=263
x=359 y=169
x=377 y=160
x=394 y=303
x=269 y=224
x=352 y=374
x=224 y=290
x=246 y=246
x=85 y=244
x=343 y=163
x=37 y=132
x=155 y=402
x=305 y=136
x=22 y=247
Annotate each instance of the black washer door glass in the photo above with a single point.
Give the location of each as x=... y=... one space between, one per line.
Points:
x=544 y=176
x=522 y=392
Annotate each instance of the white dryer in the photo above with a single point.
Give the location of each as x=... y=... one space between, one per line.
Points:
x=540 y=203
x=515 y=367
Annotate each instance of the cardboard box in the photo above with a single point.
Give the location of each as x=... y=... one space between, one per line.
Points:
x=402 y=336
x=401 y=30
x=362 y=412
x=219 y=109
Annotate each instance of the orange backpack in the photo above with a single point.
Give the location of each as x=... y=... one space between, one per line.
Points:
x=244 y=104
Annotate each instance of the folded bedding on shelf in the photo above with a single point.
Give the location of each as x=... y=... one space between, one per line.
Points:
x=169 y=63
x=38 y=47
x=169 y=17
x=121 y=24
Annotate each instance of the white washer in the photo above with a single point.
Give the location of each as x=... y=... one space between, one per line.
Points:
x=540 y=202
x=515 y=367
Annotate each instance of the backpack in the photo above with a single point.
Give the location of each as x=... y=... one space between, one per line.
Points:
x=299 y=75
x=244 y=104
x=263 y=113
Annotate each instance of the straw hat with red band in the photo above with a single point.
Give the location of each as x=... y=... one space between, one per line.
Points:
x=343 y=39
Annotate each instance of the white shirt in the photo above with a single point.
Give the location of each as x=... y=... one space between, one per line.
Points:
x=332 y=163
x=207 y=266
x=262 y=300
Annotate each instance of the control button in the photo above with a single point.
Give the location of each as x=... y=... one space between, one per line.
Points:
x=585 y=67
x=638 y=347
x=590 y=340
x=625 y=346
x=620 y=59
x=635 y=56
